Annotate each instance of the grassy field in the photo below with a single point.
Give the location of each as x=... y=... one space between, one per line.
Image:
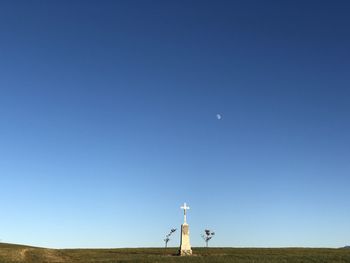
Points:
x=25 y=254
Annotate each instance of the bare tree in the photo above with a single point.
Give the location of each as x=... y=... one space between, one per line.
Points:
x=208 y=235
x=167 y=237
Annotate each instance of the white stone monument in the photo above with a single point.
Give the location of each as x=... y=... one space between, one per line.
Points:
x=185 y=246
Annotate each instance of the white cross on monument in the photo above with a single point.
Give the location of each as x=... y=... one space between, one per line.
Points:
x=185 y=207
x=185 y=247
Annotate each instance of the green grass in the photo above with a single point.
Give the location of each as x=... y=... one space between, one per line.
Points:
x=16 y=253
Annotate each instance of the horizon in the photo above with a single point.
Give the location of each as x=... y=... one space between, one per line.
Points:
x=174 y=247
x=115 y=113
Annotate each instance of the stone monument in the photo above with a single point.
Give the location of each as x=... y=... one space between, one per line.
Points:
x=185 y=247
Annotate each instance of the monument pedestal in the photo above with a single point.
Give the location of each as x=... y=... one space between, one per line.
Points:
x=185 y=247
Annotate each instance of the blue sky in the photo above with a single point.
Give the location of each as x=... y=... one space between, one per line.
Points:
x=108 y=122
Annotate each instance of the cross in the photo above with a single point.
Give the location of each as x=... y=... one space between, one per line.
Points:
x=185 y=207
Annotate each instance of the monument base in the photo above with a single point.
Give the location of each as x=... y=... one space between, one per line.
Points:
x=185 y=252
x=185 y=247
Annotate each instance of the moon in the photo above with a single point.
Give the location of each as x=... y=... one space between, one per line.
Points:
x=218 y=116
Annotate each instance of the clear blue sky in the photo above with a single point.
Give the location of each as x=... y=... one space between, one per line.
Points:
x=108 y=122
